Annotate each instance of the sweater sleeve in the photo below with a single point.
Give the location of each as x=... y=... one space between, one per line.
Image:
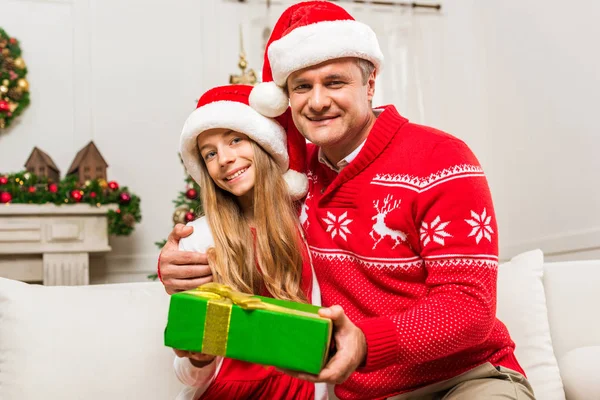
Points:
x=457 y=239
x=200 y=239
x=197 y=378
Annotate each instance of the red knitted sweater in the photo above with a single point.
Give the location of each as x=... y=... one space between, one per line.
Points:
x=404 y=238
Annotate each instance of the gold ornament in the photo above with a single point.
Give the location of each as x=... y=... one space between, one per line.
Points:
x=2 y=124
x=88 y=183
x=19 y=63
x=5 y=52
x=12 y=106
x=6 y=82
x=103 y=184
x=23 y=84
x=3 y=89
x=179 y=214
x=247 y=78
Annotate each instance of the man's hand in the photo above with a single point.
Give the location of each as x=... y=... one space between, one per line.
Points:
x=198 y=360
x=351 y=349
x=182 y=270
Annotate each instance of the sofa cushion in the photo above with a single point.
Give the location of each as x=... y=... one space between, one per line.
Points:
x=580 y=371
x=86 y=342
x=573 y=295
x=522 y=308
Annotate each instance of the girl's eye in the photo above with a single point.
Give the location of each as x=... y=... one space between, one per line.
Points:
x=209 y=155
x=236 y=140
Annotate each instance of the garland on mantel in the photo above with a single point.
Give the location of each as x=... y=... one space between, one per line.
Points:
x=27 y=188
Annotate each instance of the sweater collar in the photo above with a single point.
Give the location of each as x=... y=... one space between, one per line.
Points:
x=350 y=157
x=384 y=129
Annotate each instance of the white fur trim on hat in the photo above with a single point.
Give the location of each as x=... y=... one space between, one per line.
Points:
x=297 y=184
x=268 y=99
x=313 y=44
x=235 y=116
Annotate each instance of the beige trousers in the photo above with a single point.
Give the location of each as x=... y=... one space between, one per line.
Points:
x=480 y=383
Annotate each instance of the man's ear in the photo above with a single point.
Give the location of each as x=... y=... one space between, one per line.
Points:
x=371 y=85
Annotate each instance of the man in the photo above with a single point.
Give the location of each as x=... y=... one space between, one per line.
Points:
x=400 y=223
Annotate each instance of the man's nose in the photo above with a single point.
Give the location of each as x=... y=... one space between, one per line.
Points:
x=319 y=100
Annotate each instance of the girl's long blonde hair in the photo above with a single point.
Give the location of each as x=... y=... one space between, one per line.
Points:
x=276 y=247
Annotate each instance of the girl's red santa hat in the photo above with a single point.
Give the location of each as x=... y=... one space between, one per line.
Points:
x=308 y=34
x=228 y=107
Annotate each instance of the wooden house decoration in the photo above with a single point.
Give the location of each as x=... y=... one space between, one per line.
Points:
x=39 y=163
x=88 y=164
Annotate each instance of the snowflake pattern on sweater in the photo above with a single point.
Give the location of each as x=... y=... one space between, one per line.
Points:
x=404 y=238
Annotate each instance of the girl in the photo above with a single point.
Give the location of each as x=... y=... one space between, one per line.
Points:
x=250 y=233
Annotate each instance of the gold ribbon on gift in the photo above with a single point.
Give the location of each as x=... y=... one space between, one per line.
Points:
x=218 y=313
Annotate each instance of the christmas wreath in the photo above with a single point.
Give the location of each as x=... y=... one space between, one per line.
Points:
x=14 y=88
x=25 y=187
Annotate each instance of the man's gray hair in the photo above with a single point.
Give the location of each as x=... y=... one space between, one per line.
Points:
x=366 y=69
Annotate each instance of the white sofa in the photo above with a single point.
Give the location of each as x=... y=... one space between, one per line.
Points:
x=105 y=341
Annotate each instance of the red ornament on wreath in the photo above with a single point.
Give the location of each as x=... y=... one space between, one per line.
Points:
x=5 y=197
x=76 y=195
x=31 y=189
x=53 y=188
x=191 y=194
x=93 y=195
x=113 y=185
x=3 y=180
x=124 y=198
x=189 y=217
x=4 y=106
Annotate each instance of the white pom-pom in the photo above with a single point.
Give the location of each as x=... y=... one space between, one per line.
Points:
x=268 y=99
x=297 y=184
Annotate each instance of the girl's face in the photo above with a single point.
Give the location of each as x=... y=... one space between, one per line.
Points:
x=229 y=159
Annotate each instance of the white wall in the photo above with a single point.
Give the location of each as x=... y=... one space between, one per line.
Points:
x=542 y=67
x=515 y=80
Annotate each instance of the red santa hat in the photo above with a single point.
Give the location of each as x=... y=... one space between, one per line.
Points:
x=308 y=34
x=227 y=107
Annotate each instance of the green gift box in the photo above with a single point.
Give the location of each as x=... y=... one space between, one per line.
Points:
x=214 y=319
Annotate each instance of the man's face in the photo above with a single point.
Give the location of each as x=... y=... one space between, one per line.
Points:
x=331 y=104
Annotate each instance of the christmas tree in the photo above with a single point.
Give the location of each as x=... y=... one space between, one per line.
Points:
x=187 y=208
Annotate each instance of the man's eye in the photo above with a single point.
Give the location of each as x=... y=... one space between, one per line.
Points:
x=300 y=88
x=336 y=84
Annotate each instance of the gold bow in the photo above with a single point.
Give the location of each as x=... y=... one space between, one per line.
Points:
x=224 y=293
